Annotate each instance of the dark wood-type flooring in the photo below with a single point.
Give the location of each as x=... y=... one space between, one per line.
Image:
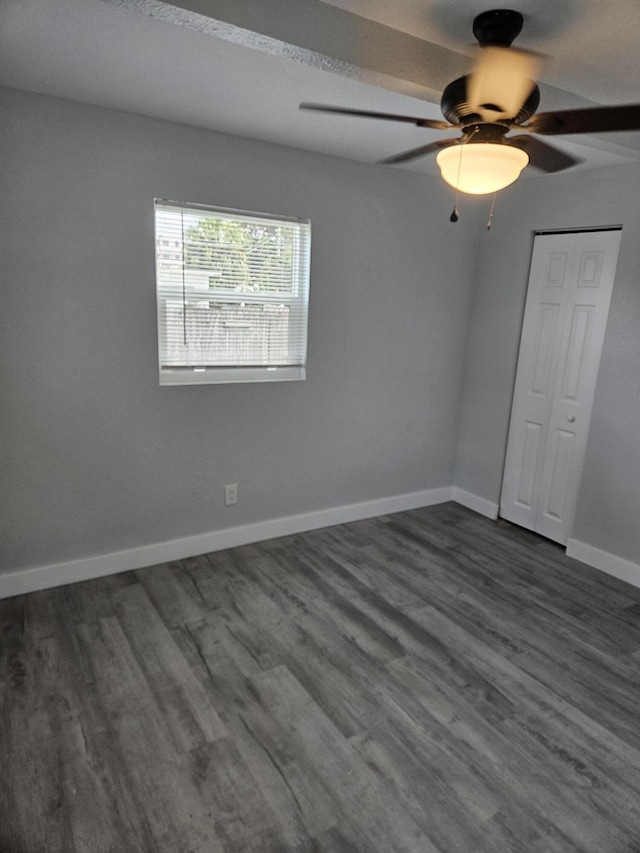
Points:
x=427 y=682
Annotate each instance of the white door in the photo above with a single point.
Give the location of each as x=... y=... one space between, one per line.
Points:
x=570 y=284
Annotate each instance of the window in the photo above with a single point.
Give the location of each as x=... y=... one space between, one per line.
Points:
x=232 y=293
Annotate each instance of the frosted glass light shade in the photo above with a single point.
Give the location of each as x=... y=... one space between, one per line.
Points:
x=481 y=167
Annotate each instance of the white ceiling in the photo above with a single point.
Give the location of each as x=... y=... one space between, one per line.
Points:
x=243 y=66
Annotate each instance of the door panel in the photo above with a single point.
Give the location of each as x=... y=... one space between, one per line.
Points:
x=543 y=349
x=561 y=451
x=579 y=343
x=570 y=284
x=528 y=465
x=556 y=269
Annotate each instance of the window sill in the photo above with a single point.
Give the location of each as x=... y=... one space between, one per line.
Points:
x=229 y=375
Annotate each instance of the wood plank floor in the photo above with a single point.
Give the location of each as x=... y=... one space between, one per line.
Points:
x=427 y=682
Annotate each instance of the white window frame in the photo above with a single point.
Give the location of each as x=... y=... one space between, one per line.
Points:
x=297 y=302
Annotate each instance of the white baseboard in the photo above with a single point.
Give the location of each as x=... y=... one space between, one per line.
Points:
x=44 y=577
x=620 y=568
x=480 y=505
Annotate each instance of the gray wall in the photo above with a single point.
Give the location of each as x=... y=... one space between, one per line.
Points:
x=96 y=457
x=609 y=508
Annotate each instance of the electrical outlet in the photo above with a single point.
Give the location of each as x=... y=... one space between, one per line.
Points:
x=230 y=494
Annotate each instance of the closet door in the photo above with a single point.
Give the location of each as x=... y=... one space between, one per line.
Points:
x=570 y=284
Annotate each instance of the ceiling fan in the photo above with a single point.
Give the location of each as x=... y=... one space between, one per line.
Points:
x=500 y=95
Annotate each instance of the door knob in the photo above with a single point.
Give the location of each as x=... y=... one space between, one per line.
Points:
x=571 y=418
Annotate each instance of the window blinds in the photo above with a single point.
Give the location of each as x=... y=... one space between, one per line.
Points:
x=232 y=294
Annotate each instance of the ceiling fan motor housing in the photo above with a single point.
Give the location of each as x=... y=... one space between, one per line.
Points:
x=457 y=110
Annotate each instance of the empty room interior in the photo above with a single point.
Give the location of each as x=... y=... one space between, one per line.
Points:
x=320 y=352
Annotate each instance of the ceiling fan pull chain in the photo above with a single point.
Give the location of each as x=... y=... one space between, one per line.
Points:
x=455 y=215
x=493 y=204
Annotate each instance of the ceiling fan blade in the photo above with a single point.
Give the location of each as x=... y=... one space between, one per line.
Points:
x=502 y=80
x=420 y=122
x=589 y=120
x=419 y=152
x=542 y=155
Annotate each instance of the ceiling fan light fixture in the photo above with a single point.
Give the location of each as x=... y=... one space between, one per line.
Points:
x=480 y=168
